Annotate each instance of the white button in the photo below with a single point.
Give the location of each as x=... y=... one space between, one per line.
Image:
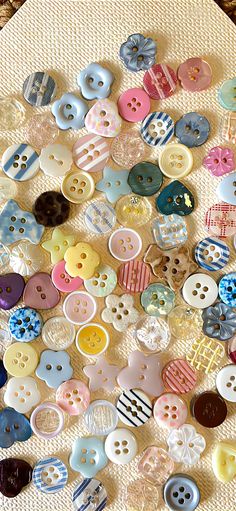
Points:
x=58 y=333
x=200 y=290
x=121 y=446
x=101 y=417
x=175 y=161
x=226 y=382
x=20 y=162
x=55 y=160
x=134 y=408
x=22 y=394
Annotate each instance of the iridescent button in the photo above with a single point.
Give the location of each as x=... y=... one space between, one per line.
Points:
x=175 y=198
x=20 y=162
x=92 y=340
x=5 y=337
x=226 y=94
x=145 y=178
x=125 y=244
x=77 y=186
x=160 y=81
x=63 y=281
x=4 y=256
x=175 y=161
x=128 y=148
x=232 y=349
x=20 y=359
x=133 y=210
x=91 y=153
x=101 y=417
x=50 y=475
x=134 y=105
x=220 y=220
x=39 y=89
x=185 y=323
x=212 y=254
x=227 y=289
x=103 y=282
x=73 y=397
x=178 y=376
x=152 y=333
x=58 y=333
x=192 y=129
x=170 y=411
x=12 y=113
x=181 y=493
x=157 y=300
x=79 y=307
x=134 y=276
x=169 y=231
x=157 y=129
x=41 y=130
x=194 y=74
x=99 y=217
x=200 y=290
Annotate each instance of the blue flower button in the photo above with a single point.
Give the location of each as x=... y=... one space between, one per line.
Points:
x=54 y=368
x=212 y=254
x=175 y=198
x=69 y=112
x=192 y=129
x=157 y=300
x=25 y=324
x=157 y=128
x=227 y=289
x=226 y=190
x=17 y=224
x=88 y=456
x=227 y=94
x=14 y=427
x=114 y=184
x=138 y=53
x=3 y=374
x=219 y=321
x=95 y=82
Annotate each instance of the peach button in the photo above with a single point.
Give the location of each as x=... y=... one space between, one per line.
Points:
x=79 y=307
x=73 y=397
x=63 y=281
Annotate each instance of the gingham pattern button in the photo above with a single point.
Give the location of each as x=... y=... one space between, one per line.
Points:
x=220 y=220
x=50 y=475
x=157 y=129
x=134 y=276
x=89 y=495
x=39 y=89
x=212 y=254
x=134 y=408
x=20 y=162
x=99 y=217
x=91 y=153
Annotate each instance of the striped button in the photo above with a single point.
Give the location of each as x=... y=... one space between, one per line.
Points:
x=91 y=153
x=134 y=276
x=99 y=217
x=157 y=129
x=160 y=81
x=90 y=495
x=20 y=162
x=212 y=254
x=134 y=408
x=50 y=475
x=39 y=89
x=179 y=376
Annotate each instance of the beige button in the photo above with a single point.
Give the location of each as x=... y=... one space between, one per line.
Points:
x=176 y=160
x=20 y=359
x=77 y=186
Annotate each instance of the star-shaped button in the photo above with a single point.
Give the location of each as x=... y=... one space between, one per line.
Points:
x=58 y=244
x=114 y=184
x=142 y=372
x=102 y=375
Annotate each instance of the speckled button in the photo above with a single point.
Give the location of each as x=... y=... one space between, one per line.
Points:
x=200 y=290
x=91 y=153
x=58 y=333
x=209 y=409
x=157 y=129
x=192 y=129
x=232 y=349
x=178 y=376
x=20 y=162
x=226 y=94
x=181 y=493
x=160 y=81
x=41 y=130
x=55 y=160
x=157 y=299
x=212 y=254
x=134 y=276
x=194 y=74
x=133 y=210
x=227 y=289
x=134 y=105
x=145 y=178
x=226 y=382
x=25 y=324
x=103 y=119
x=51 y=209
x=20 y=359
x=175 y=198
x=73 y=397
x=40 y=293
x=63 y=281
x=220 y=220
x=170 y=411
x=39 y=89
x=79 y=307
x=134 y=408
x=50 y=475
x=175 y=161
x=226 y=189
x=77 y=186
x=99 y=217
x=125 y=244
x=92 y=340
x=128 y=148
x=103 y=282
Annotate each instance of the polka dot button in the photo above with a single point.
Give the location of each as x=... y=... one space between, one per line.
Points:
x=175 y=161
x=160 y=81
x=92 y=340
x=226 y=382
x=121 y=446
x=99 y=217
x=73 y=397
x=133 y=210
x=20 y=359
x=79 y=307
x=91 y=153
x=212 y=254
x=170 y=411
x=134 y=105
x=77 y=186
x=125 y=244
x=103 y=282
x=145 y=178
x=63 y=281
x=200 y=290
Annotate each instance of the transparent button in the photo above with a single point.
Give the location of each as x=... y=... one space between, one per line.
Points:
x=41 y=130
x=133 y=210
x=128 y=149
x=12 y=114
x=185 y=323
x=58 y=333
x=101 y=417
x=4 y=255
x=8 y=189
x=103 y=282
x=141 y=496
x=152 y=333
x=5 y=337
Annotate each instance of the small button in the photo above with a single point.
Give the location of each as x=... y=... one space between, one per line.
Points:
x=90 y=492
x=92 y=340
x=20 y=359
x=175 y=198
x=145 y=178
x=3 y=375
x=5 y=337
x=138 y=52
x=125 y=244
x=169 y=231
x=58 y=333
x=55 y=160
x=178 y=376
x=11 y=290
x=8 y=189
x=14 y=427
x=54 y=368
x=41 y=130
x=139 y=494
x=209 y=409
x=114 y=184
x=77 y=186
x=101 y=417
x=15 y=474
x=192 y=129
x=58 y=244
x=152 y=333
x=79 y=307
x=22 y=394
x=228 y=127
x=160 y=81
x=133 y=210
x=232 y=349
x=120 y=312
x=17 y=224
x=194 y=74
x=81 y=261
x=155 y=465
x=157 y=300
x=157 y=129
x=223 y=461
x=103 y=282
x=226 y=94
x=101 y=375
x=121 y=446
x=170 y=411
x=50 y=475
x=134 y=408
x=39 y=89
x=226 y=382
x=25 y=324
x=200 y=290
x=103 y=119
x=47 y=420
x=127 y=148
x=227 y=289
x=205 y=354
x=212 y=254
x=91 y=153
x=219 y=161
x=4 y=256
x=175 y=161
x=95 y=81
x=99 y=217
x=185 y=445
x=12 y=113
x=63 y=281
x=40 y=293
x=220 y=220
x=20 y=162
x=26 y=258
x=142 y=372
x=185 y=323
x=134 y=276
x=219 y=321
x=226 y=190
x=134 y=105
x=88 y=456
x=181 y=493
x=51 y=209
x=73 y=397
x=69 y=112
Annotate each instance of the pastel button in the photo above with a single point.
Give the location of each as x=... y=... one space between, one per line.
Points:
x=73 y=397
x=219 y=161
x=79 y=307
x=228 y=127
x=22 y=394
x=232 y=349
x=175 y=161
x=212 y=254
x=103 y=282
x=41 y=130
x=170 y=411
x=209 y=409
x=200 y=290
x=39 y=88
x=178 y=376
x=220 y=220
x=20 y=162
x=226 y=382
x=157 y=129
x=95 y=81
x=138 y=52
x=101 y=417
x=20 y=359
x=226 y=190
x=12 y=113
x=128 y=148
x=160 y=81
x=58 y=333
x=192 y=129
x=181 y=493
x=103 y=119
x=58 y=244
x=26 y=258
x=69 y=112
x=134 y=105
x=169 y=231
x=155 y=465
x=223 y=461
x=226 y=94
x=125 y=244
x=88 y=456
x=55 y=160
x=81 y=260
x=194 y=74
x=133 y=210
x=77 y=186
x=54 y=368
x=92 y=340
x=25 y=324
x=114 y=184
x=121 y=446
x=227 y=289
x=17 y=224
x=40 y=293
x=8 y=189
x=63 y=281
x=91 y=153
x=145 y=178
x=39 y=420
x=99 y=217
x=157 y=299
x=134 y=276
x=50 y=475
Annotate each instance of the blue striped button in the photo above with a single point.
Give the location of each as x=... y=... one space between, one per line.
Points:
x=100 y=217
x=212 y=254
x=157 y=129
x=50 y=475
x=90 y=495
x=20 y=162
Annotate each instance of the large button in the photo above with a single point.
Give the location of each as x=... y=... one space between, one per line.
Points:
x=51 y=209
x=212 y=254
x=226 y=382
x=91 y=153
x=26 y=258
x=50 y=475
x=228 y=127
x=101 y=375
x=40 y=293
x=54 y=368
x=47 y=420
x=81 y=261
x=205 y=354
x=77 y=186
x=232 y=349
x=145 y=178
x=219 y=161
x=175 y=161
x=134 y=408
x=133 y=211
x=185 y=323
x=22 y=394
x=14 y=427
x=99 y=217
x=175 y=198
x=39 y=89
x=79 y=307
x=223 y=461
x=160 y=81
x=157 y=129
x=170 y=411
x=103 y=119
x=226 y=94
x=58 y=244
x=152 y=333
x=8 y=189
x=17 y=224
x=155 y=465
x=69 y=112
x=103 y=282
x=192 y=129
x=41 y=130
x=92 y=340
x=121 y=446
x=88 y=456
x=209 y=409
x=12 y=113
x=226 y=190
x=20 y=162
x=125 y=244
x=11 y=289
x=73 y=397
x=178 y=376
x=181 y=492
x=219 y=321
x=227 y=289
x=58 y=333
x=200 y=290
x=194 y=74
x=63 y=281
x=101 y=417
x=134 y=276
x=95 y=81
x=114 y=184
x=127 y=148
x=220 y=220
x=14 y=475
x=142 y=372
x=138 y=52
x=157 y=300
x=134 y=105
x=90 y=493
x=186 y=445
x=25 y=324
x=55 y=160
x=20 y=359
x=120 y=312
x=169 y=231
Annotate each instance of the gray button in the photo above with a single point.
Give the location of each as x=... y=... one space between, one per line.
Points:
x=181 y=493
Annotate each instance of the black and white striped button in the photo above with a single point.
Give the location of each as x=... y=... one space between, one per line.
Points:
x=134 y=408
x=39 y=89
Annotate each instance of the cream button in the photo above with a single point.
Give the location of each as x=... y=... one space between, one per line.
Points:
x=20 y=359
x=176 y=161
x=121 y=446
x=78 y=186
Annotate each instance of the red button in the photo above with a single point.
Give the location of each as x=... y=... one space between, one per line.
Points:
x=134 y=276
x=160 y=81
x=134 y=105
x=179 y=376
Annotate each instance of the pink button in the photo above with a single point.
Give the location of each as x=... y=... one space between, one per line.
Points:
x=91 y=153
x=134 y=105
x=220 y=220
x=73 y=397
x=232 y=349
x=125 y=244
x=134 y=276
x=194 y=74
x=79 y=307
x=63 y=281
x=179 y=376
x=160 y=81
x=170 y=411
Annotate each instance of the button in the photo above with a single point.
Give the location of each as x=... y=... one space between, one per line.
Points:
x=134 y=105
x=219 y=322
x=220 y=220
x=101 y=417
x=209 y=409
x=160 y=81
x=121 y=446
x=185 y=323
x=73 y=397
x=157 y=129
x=205 y=354
x=77 y=186
x=5 y=337
x=142 y=372
x=41 y=130
x=58 y=333
x=192 y=129
x=88 y=456
x=227 y=289
x=14 y=427
x=54 y=368
x=50 y=475
x=25 y=324
x=11 y=289
x=91 y=153
x=20 y=162
x=4 y=256
x=51 y=209
x=226 y=190
x=138 y=52
x=170 y=411
x=3 y=375
x=178 y=376
x=127 y=148
x=181 y=493
x=20 y=359
x=219 y=161
x=139 y=495
x=90 y=492
x=47 y=420
x=120 y=311
x=22 y=394
x=194 y=74
x=103 y=282
x=12 y=113
x=134 y=276
x=152 y=334
x=169 y=231
x=155 y=465
x=157 y=300
x=212 y=254
x=26 y=258
x=228 y=127
x=40 y=293
x=79 y=307
x=114 y=183
x=125 y=244
x=81 y=261
x=69 y=112
x=134 y=408
x=226 y=383
x=39 y=89
x=99 y=217
x=185 y=445
x=63 y=281
x=232 y=349
x=95 y=81
x=8 y=189
x=145 y=178
x=226 y=94
x=223 y=461
x=58 y=244
x=103 y=119
x=17 y=224
x=92 y=340
x=55 y=160
x=133 y=210
x=101 y=375
x=175 y=161
x=200 y=290
x=175 y=198
x=14 y=475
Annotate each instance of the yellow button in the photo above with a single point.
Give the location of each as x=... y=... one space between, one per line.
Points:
x=78 y=186
x=224 y=461
x=176 y=160
x=81 y=261
x=20 y=359
x=133 y=210
x=92 y=339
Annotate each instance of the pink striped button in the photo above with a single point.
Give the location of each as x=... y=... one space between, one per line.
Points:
x=91 y=153
x=160 y=81
x=170 y=411
x=134 y=105
x=134 y=276
x=178 y=376
x=63 y=281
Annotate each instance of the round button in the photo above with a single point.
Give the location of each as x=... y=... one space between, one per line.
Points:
x=175 y=161
x=133 y=211
x=8 y=189
x=134 y=105
x=20 y=162
x=63 y=281
x=77 y=186
x=232 y=349
x=219 y=321
x=170 y=411
x=134 y=408
x=141 y=495
x=152 y=333
x=101 y=417
x=26 y=258
x=73 y=397
x=125 y=244
x=226 y=382
x=79 y=307
x=134 y=276
x=50 y=475
x=121 y=446
x=226 y=189
x=12 y=114
x=128 y=149
x=51 y=209
x=58 y=333
x=103 y=282
x=91 y=493
x=39 y=89
x=212 y=254
x=47 y=420
x=200 y=290
x=227 y=289
x=25 y=324
x=55 y=160
x=99 y=217
x=205 y=354
x=5 y=337
x=194 y=74
x=41 y=130
x=209 y=409
x=226 y=95
x=178 y=376
x=181 y=493
x=145 y=178
x=185 y=323
x=192 y=129
x=20 y=359
x=160 y=81
x=220 y=220
x=92 y=340
x=91 y=153
x=157 y=129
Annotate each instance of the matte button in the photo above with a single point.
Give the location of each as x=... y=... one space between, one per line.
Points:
x=226 y=382
x=157 y=129
x=227 y=289
x=125 y=244
x=88 y=456
x=54 y=368
x=209 y=409
x=20 y=162
x=200 y=290
x=92 y=340
x=77 y=186
x=99 y=217
x=226 y=190
x=169 y=231
x=50 y=475
x=95 y=81
x=226 y=94
x=39 y=89
x=81 y=260
x=178 y=376
x=175 y=161
x=134 y=276
x=194 y=74
x=192 y=129
x=134 y=105
x=220 y=220
x=121 y=446
x=175 y=198
x=91 y=153
x=51 y=209
x=145 y=179
x=223 y=461
x=133 y=210
x=79 y=307
x=181 y=493
x=114 y=184
x=160 y=81
x=134 y=408
x=212 y=254
x=20 y=359
x=69 y=112
x=127 y=148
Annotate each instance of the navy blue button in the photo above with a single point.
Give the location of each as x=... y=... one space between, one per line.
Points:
x=145 y=178
x=192 y=129
x=3 y=374
x=181 y=493
x=175 y=198
x=227 y=289
x=157 y=129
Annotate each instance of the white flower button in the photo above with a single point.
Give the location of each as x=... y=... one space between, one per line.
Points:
x=121 y=446
x=186 y=445
x=55 y=160
x=200 y=290
x=226 y=382
x=120 y=311
x=22 y=394
x=27 y=258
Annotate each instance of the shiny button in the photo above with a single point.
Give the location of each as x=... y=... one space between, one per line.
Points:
x=58 y=244
x=25 y=324
x=185 y=323
x=160 y=81
x=155 y=465
x=17 y=224
x=134 y=276
x=81 y=261
x=20 y=359
x=63 y=281
x=212 y=254
x=51 y=209
x=103 y=282
x=22 y=394
x=125 y=244
x=88 y=456
x=192 y=129
x=170 y=411
x=14 y=427
x=145 y=178
x=186 y=445
x=157 y=300
x=3 y=374
x=41 y=130
x=114 y=183
x=223 y=461
x=127 y=148
x=226 y=190
x=40 y=293
x=39 y=89
x=95 y=81
x=103 y=119
x=69 y=112
x=77 y=186
x=12 y=113
x=5 y=337
x=101 y=374
x=209 y=409
x=226 y=94
x=152 y=333
x=91 y=493
x=228 y=127
x=178 y=376
x=133 y=210
x=227 y=289
x=200 y=290
x=92 y=340
x=169 y=231
x=134 y=105
x=226 y=382
x=50 y=475
x=73 y=397
x=120 y=311
x=20 y=162
x=4 y=256
x=101 y=417
x=140 y=496
x=142 y=372
x=219 y=321
x=47 y=420
x=26 y=258
x=54 y=368
x=219 y=161
x=138 y=52
x=205 y=354
x=194 y=74
x=232 y=349
x=91 y=153
x=181 y=492
x=175 y=198
x=55 y=160
x=157 y=129
x=220 y=220
x=121 y=446
x=58 y=333
x=14 y=475
x=12 y=287
x=99 y=217
x=8 y=189
x=175 y=161
x=79 y=307
x=134 y=408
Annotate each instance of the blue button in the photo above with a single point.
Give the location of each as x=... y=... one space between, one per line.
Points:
x=50 y=475
x=157 y=129
x=17 y=224
x=95 y=82
x=69 y=112
x=14 y=427
x=54 y=368
x=175 y=198
x=226 y=190
x=226 y=95
x=181 y=493
x=3 y=374
x=219 y=321
x=25 y=324
x=88 y=456
x=114 y=184
x=192 y=129
x=169 y=231
x=212 y=254
x=227 y=289
x=138 y=52
x=145 y=178
x=90 y=495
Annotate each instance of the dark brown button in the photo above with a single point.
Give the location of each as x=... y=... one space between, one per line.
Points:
x=14 y=475
x=51 y=209
x=209 y=409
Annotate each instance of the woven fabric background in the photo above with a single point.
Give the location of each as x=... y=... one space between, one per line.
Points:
x=63 y=38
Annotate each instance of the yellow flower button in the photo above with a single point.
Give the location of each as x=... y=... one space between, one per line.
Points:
x=92 y=340
x=81 y=261
x=78 y=186
x=20 y=359
x=224 y=461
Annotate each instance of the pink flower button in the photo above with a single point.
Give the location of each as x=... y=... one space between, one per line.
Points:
x=134 y=276
x=160 y=81
x=178 y=376
x=170 y=411
x=91 y=153
x=219 y=161
x=73 y=397
x=79 y=307
x=134 y=105
x=63 y=281
x=125 y=244
x=194 y=74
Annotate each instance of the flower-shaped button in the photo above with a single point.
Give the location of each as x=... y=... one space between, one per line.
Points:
x=103 y=282
x=50 y=475
x=226 y=189
x=114 y=184
x=95 y=82
x=152 y=333
x=3 y=374
x=125 y=244
x=51 y=209
x=102 y=375
x=81 y=261
x=57 y=333
x=169 y=231
x=14 y=475
x=200 y=290
x=103 y=119
x=20 y=162
x=142 y=372
x=133 y=210
x=220 y=220
x=212 y=254
x=185 y=322
x=157 y=300
x=99 y=217
x=91 y=153
x=160 y=81
x=54 y=368
x=77 y=186
x=194 y=74
x=120 y=311
x=226 y=382
x=63 y=281
x=58 y=244
x=205 y=354
x=8 y=189
x=39 y=88
x=79 y=307
x=219 y=321
x=170 y=411
x=181 y=493
x=127 y=148
x=134 y=276
x=20 y=359
x=192 y=129
x=11 y=289
x=26 y=258
x=186 y=445
x=88 y=456
x=141 y=495
x=40 y=293
x=227 y=289
x=223 y=461
x=228 y=127
x=101 y=417
x=219 y=161
x=69 y=112
x=178 y=376
x=25 y=324
x=73 y=397
x=138 y=52
x=121 y=446
x=14 y=427
x=155 y=465
x=175 y=198
x=90 y=493
x=92 y=340
x=17 y=224
x=22 y=394
x=157 y=129
x=226 y=94
x=134 y=408
x=41 y=130
x=55 y=160
x=145 y=178
x=134 y=105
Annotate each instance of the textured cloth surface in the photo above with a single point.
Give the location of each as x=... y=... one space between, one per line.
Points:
x=63 y=39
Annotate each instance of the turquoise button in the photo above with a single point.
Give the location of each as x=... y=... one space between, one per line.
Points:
x=145 y=178
x=157 y=300
x=175 y=198
x=88 y=456
x=227 y=94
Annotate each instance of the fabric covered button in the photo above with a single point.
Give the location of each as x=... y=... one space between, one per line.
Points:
x=125 y=244
x=140 y=494
x=120 y=311
x=73 y=397
x=228 y=127
x=81 y=261
x=102 y=375
x=134 y=276
x=133 y=210
x=54 y=368
x=58 y=244
x=103 y=119
x=77 y=186
x=17 y=224
x=209 y=409
x=134 y=105
x=63 y=281
x=212 y=254
x=127 y=148
x=226 y=190
x=50 y=475
x=134 y=408
x=157 y=129
x=157 y=300
x=160 y=81
x=55 y=160
x=8 y=189
x=223 y=461
x=39 y=89
x=232 y=349
x=185 y=323
x=90 y=492
x=3 y=374
x=114 y=183
x=51 y=209
x=69 y=112
x=181 y=492
x=194 y=74
x=22 y=394
x=219 y=161
x=138 y=52
x=186 y=445
x=91 y=153
x=103 y=282
x=145 y=178
x=219 y=321
x=26 y=258
x=170 y=411
x=58 y=333
x=88 y=456
x=11 y=289
x=175 y=198
x=101 y=417
x=176 y=160
x=192 y=129
x=226 y=382
x=14 y=427
x=169 y=231
x=41 y=130
x=155 y=465
x=178 y=376
x=12 y=113
x=14 y=475
x=20 y=162
x=25 y=324
x=205 y=354
x=152 y=333
x=121 y=446
x=226 y=94
x=220 y=220
x=200 y=290
x=92 y=340
x=227 y=289
x=142 y=372
x=79 y=307
x=20 y=359
x=47 y=420
x=40 y=293
x=99 y=217
x=95 y=81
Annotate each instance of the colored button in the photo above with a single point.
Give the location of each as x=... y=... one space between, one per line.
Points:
x=138 y=52
x=227 y=289
x=120 y=311
x=63 y=281
x=212 y=254
x=226 y=190
x=95 y=81
x=17 y=224
x=134 y=408
x=200 y=290
x=155 y=465
x=103 y=119
x=192 y=129
x=51 y=209
x=223 y=461
x=127 y=148
x=170 y=411
x=47 y=420
x=73 y=397
x=114 y=184
x=175 y=161
x=226 y=382
x=157 y=129
x=12 y=113
x=157 y=300
x=228 y=127
x=3 y=375
x=58 y=244
x=226 y=94
x=54 y=368
x=58 y=333
x=14 y=427
x=185 y=323
x=77 y=186
x=69 y=112
x=50 y=475
x=169 y=231
x=20 y=359
x=133 y=210
x=219 y=161
x=186 y=445
x=90 y=493
x=134 y=276
x=101 y=374
x=145 y=178
x=14 y=475
x=92 y=340
x=8 y=189
x=175 y=198
x=22 y=394
x=232 y=349
x=5 y=337
x=194 y=74
x=121 y=446
x=99 y=217
x=91 y=153
x=181 y=493
x=39 y=89
x=79 y=307
x=103 y=282
x=11 y=289
x=178 y=376
x=209 y=409
x=20 y=162
x=25 y=324
x=41 y=130
x=134 y=105
x=81 y=261
x=220 y=220
x=88 y=456
x=40 y=293
x=219 y=321
x=101 y=417
x=152 y=333
x=26 y=258
x=125 y=244
x=55 y=160
x=142 y=372
x=206 y=354
x=160 y=81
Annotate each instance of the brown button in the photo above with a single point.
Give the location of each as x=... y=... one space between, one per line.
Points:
x=209 y=409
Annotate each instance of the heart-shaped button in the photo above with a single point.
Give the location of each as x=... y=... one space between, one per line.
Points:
x=103 y=119
x=11 y=289
x=175 y=198
x=224 y=461
x=40 y=293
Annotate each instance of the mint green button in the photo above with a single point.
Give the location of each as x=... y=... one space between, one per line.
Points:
x=103 y=281
x=158 y=300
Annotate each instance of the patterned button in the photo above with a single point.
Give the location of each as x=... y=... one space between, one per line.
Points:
x=47 y=420
x=155 y=465
x=101 y=417
x=79 y=307
x=138 y=52
x=54 y=368
x=160 y=81
x=103 y=119
x=133 y=210
x=12 y=113
x=134 y=105
x=157 y=129
x=219 y=161
x=40 y=293
x=121 y=446
x=181 y=492
x=91 y=153
x=88 y=456
x=209 y=409
x=14 y=427
x=81 y=260
x=223 y=461
x=226 y=190
x=58 y=244
x=185 y=323
x=170 y=411
x=186 y=445
x=17 y=224
x=125 y=244
x=152 y=333
x=73 y=397
x=194 y=74
x=25 y=324
x=228 y=127
x=114 y=184
x=14 y=475
x=227 y=289
x=205 y=354
x=192 y=129
x=145 y=178
x=120 y=311
x=63 y=281
x=20 y=162
x=58 y=333
x=51 y=209
x=69 y=112
x=226 y=382
x=20 y=359
x=178 y=376
x=134 y=408
x=26 y=258
x=90 y=493
x=22 y=394
x=200 y=290
x=41 y=130
x=169 y=231
x=12 y=287
x=175 y=161
x=127 y=148
x=50 y=475
x=157 y=300
x=99 y=217
x=142 y=372
x=8 y=189
x=92 y=340
x=103 y=282
x=95 y=81
x=77 y=186
x=226 y=94
x=134 y=276
x=232 y=349
x=55 y=160
x=175 y=198
x=220 y=220
x=212 y=254
x=39 y=89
